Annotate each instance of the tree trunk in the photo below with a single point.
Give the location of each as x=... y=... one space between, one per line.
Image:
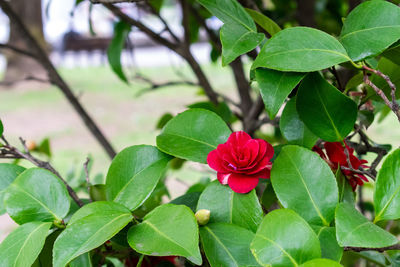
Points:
x=18 y=66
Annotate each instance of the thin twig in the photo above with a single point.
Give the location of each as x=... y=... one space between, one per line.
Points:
x=10 y=151
x=55 y=78
x=18 y=50
x=27 y=78
x=114 y=1
x=86 y=169
x=359 y=249
x=391 y=104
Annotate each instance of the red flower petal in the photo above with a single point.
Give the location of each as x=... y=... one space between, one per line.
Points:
x=238 y=138
x=223 y=177
x=335 y=153
x=215 y=162
x=242 y=183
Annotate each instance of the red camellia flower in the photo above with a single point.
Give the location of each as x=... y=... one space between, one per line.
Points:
x=241 y=161
x=335 y=156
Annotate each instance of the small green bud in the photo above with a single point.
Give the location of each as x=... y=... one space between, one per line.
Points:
x=202 y=216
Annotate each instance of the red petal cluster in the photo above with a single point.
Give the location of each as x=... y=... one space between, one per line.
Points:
x=241 y=161
x=335 y=156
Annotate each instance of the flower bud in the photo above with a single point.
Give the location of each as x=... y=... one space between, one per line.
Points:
x=202 y=216
x=30 y=145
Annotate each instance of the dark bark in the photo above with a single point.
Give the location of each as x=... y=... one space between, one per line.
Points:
x=19 y=66
x=54 y=77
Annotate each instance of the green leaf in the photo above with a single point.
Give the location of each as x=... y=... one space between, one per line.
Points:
x=156 y=4
x=227 y=245
x=346 y=193
x=167 y=230
x=315 y=195
x=393 y=53
x=37 y=195
x=1 y=128
x=89 y=227
x=330 y=248
x=222 y=109
x=23 y=245
x=163 y=120
x=121 y=31
x=134 y=173
x=327 y=112
x=268 y=197
x=239 y=32
x=275 y=86
x=193 y=134
x=46 y=254
x=301 y=49
x=264 y=22
x=83 y=260
x=354 y=230
x=293 y=129
x=390 y=69
x=189 y=199
x=387 y=189
x=370 y=28
x=284 y=239
x=227 y=206
x=8 y=173
x=321 y=263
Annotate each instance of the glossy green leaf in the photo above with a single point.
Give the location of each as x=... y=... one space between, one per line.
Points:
x=301 y=49
x=83 y=260
x=227 y=206
x=8 y=173
x=167 y=230
x=89 y=227
x=293 y=129
x=284 y=239
x=163 y=120
x=327 y=112
x=222 y=109
x=316 y=193
x=37 y=195
x=393 y=53
x=390 y=69
x=346 y=193
x=268 y=197
x=239 y=32
x=190 y=200
x=46 y=254
x=227 y=245
x=354 y=230
x=193 y=134
x=275 y=86
x=321 y=263
x=114 y=51
x=387 y=189
x=23 y=245
x=134 y=173
x=1 y=128
x=330 y=248
x=264 y=22
x=370 y=28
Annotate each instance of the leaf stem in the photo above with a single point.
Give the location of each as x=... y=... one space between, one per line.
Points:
x=140 y=260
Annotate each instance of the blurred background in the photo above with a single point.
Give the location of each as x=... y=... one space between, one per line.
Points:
x=77 y=36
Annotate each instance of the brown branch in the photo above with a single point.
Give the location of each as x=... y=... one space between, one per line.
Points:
x=359 y=249
x=27 y=78
x=18 y=50
x=391 y=104
x=8 y=151
x=56 y=79
x=114 y=1
x=243 y=85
